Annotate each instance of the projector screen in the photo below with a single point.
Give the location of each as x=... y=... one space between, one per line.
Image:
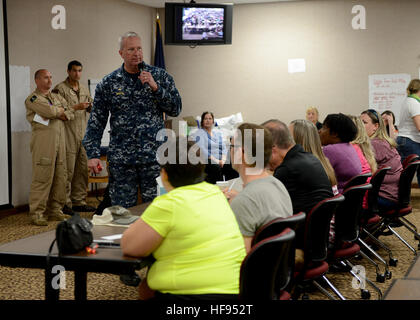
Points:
x=5 y=146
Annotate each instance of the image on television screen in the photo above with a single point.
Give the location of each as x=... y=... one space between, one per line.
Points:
x=202 y=23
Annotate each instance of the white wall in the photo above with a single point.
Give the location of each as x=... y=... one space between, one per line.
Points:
x=251 y=75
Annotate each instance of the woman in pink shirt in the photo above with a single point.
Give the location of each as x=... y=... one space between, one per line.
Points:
x=364 y=150
x=386 y=154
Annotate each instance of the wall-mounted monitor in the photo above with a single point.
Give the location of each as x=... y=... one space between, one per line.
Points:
x=198 y=23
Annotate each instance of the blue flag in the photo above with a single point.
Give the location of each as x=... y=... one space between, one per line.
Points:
x=159 y=58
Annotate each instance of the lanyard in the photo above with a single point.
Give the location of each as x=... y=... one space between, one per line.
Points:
x=414 y=96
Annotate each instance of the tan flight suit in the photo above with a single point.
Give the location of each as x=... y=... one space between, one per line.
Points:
x=77 y=169
x=49 y=176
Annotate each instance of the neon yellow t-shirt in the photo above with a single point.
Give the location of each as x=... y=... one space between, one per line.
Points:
x=202 y=249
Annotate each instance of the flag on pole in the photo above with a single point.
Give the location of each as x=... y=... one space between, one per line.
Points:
x=159 y=57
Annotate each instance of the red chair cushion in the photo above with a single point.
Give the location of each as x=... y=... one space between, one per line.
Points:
x=375 y=219
x=347 y=252
x=400 y=213
x=314 y=271
x=388 y=213
x=284 y=295
x=404 y=211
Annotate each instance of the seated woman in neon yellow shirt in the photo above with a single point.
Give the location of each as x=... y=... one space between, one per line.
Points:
x=192 y=233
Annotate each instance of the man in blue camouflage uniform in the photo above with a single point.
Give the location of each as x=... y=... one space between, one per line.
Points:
x=136 y=95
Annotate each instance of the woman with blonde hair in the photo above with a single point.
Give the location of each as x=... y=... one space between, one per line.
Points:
x=312 y=115
x=386 y=154
x=306 y=134
x=362 y=143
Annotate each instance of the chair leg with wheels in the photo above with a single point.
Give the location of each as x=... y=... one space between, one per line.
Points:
x=338 y=293
x=323 y=290
x=380 y=277
x=392 y=261
x=365 y=294
x=402 y=240
x=413 y=230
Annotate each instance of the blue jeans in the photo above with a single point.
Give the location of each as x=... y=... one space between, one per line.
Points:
x=386 y=204
x=405 y=147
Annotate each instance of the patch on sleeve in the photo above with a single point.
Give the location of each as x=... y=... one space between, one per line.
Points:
x=33 y=98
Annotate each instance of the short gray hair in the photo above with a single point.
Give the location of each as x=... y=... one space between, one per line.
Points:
x=128 y=34
x=282 y=137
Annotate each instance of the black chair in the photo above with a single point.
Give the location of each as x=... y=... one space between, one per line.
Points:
x=396 y=217
x=347 y=230
x=278 y=225
x=410 y=158
x=316 y=231
x=372 y=220
x=268 y=268
x=357 y=180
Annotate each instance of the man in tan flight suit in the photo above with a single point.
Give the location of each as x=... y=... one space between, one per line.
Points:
x=77 y=171
x=47 y=112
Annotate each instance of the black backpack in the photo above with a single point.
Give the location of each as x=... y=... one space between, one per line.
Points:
x=73 y=234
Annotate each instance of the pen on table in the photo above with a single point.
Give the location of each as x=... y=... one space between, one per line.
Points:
x=231 y=186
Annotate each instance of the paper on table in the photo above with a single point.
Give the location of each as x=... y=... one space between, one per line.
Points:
x=113 y=237
x=39 y=119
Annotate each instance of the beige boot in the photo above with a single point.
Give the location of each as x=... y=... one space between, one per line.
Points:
x=39 y=220
x=57 y=216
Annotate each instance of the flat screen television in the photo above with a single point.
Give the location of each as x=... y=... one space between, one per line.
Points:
x=198 y=23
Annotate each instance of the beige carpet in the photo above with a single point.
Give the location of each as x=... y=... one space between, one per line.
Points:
x=28 y=284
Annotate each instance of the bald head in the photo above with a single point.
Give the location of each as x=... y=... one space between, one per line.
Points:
x=43 y=80
x=282 y=137
x=39 y=72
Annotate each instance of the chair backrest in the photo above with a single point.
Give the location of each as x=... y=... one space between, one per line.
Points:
x=317 y=227
x=348 y=214
x=373 y=193
x=410 y=158
x=278 y=225
x=404 y=186
x=357 y=180
x=268 y=267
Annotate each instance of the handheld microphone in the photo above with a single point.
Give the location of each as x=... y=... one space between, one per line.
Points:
x=141 y=67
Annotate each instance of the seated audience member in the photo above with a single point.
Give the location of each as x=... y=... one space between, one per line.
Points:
x=336 y=133
x=312 y=115
x=264 y=197
x=386 y=154
x=306 y=134
x=301 y=172
x=364 y=150
x=192 y=233
x=363 y=147
x=389 y=121
x=212 y=147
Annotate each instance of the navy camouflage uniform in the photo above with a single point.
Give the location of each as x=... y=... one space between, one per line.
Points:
x=136 y=118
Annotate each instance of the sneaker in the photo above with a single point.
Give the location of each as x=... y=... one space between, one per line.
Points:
x=84 y=208
x=39 y=220
x=58 y=216
x=68 y=210
x=132 y=279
